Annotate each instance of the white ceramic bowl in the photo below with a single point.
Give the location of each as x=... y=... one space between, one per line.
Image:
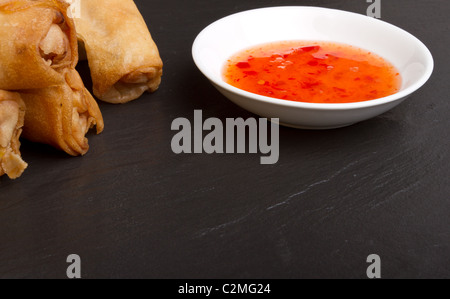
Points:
x=227 y=36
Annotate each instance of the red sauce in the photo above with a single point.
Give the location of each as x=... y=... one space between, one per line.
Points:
x=315 y=72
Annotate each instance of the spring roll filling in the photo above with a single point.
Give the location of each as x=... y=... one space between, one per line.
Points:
x=9 y=117
x=11 y=162
x=84 y=116
x=122 y=91
x=134 y=84
x=80 y=118
x=54 y=48
x=143 y=75
x=13 y=165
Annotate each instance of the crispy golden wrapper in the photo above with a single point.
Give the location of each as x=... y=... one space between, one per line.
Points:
x=12 y=113
x=123 y=58
x=37 y=42
x=62 y=115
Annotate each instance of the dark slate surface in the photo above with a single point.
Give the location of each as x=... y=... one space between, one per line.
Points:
x=131 y=208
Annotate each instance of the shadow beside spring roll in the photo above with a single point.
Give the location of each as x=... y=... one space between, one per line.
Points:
x=37 y=42
x=62 y=115
x=12 y=113
x=123 y=58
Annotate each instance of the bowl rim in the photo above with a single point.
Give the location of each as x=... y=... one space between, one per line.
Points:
x=319 y=106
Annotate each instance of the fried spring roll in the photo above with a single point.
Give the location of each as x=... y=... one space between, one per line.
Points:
x=37 y=42
x=12 y=113
x=62 y=115
x=123 y=58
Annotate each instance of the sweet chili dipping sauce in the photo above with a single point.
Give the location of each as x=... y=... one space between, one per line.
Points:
x=315 y=72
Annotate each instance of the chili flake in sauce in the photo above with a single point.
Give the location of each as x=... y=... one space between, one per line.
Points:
x=315 y=72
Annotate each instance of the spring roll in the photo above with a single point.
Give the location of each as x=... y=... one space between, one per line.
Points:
x=37 y=42
x=62 y=115
x=12 y=113
x=123 y=58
